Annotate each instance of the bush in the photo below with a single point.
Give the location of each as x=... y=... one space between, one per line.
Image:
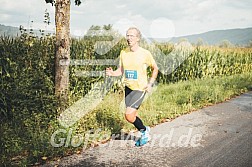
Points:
x=28 y=107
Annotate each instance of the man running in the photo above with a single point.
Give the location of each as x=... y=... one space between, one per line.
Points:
x=133 y=64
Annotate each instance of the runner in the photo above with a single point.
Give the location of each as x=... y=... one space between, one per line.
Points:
x=133 y=64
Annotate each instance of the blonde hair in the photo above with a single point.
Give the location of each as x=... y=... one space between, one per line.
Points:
x=139 y=35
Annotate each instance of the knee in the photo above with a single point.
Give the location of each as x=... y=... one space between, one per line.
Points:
x=130 y=117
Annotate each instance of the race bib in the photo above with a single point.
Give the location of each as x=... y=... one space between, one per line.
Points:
x=131 y=74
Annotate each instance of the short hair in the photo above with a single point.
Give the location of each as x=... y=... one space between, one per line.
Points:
x=137 y=30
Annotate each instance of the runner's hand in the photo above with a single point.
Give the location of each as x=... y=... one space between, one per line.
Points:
x=148 y=87
x=109 y=71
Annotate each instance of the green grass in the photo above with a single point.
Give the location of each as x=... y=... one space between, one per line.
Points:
x=29 y=108
x=168 y=101
x=172 y=100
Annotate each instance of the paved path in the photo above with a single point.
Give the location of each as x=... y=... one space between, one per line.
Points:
x=216 y=136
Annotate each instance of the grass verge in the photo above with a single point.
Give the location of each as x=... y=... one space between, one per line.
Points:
x=167 y=102
x=170 y=101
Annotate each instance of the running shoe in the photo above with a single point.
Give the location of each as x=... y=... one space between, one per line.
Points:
x=145 y=137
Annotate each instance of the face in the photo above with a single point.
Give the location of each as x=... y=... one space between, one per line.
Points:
x=132 y=38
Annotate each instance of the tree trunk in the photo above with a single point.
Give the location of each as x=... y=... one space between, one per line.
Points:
x=62 y=21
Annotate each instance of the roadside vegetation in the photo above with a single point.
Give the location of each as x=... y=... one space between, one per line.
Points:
x=28 y=107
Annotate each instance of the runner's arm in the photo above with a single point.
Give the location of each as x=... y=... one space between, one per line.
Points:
x=154 y=74
x=118 y=72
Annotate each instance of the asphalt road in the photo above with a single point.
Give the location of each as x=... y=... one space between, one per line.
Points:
x=215 y=136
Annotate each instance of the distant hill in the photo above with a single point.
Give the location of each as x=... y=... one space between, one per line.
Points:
x=9 y=31
x=14 y=31
x=239 y=36
x=235 y=36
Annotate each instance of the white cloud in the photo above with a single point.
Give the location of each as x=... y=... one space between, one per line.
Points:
x=162 y=28
x=22 y=12
x=188 y=17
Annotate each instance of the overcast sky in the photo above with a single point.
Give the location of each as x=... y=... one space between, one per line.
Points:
x=155 y=18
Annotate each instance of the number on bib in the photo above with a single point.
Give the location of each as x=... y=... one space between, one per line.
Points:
x=131 y=74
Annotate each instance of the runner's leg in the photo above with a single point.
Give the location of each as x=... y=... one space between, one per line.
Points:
x=133 y=100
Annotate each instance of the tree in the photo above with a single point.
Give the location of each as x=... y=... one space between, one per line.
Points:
x=93 y=31
x=200 y=42
x=225 y=44
x=62 y=57
x=249 y=44
x=107 y=27
x=183 y=40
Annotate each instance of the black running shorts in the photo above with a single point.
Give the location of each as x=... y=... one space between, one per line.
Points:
x=133 y=98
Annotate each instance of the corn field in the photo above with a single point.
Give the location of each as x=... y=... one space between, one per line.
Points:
x=28 y=53
x=210 y=62
x=27 y=65
x=27 y=101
